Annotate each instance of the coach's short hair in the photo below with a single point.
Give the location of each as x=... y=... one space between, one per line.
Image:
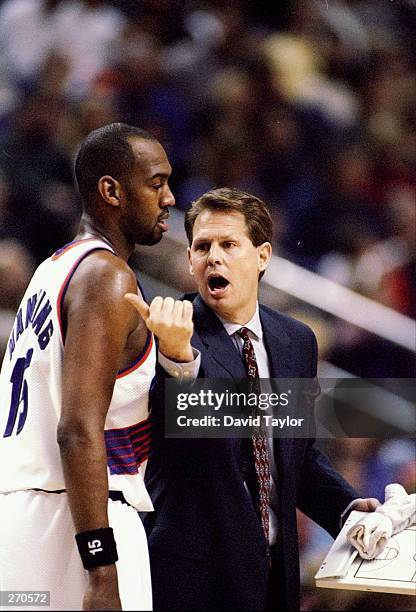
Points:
x=106 y=150
x=256 y=213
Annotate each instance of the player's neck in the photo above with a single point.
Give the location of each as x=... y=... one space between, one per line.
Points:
x=89 y=228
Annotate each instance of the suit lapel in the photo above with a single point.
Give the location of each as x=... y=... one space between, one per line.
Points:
x=277 y=344
x=217 y=342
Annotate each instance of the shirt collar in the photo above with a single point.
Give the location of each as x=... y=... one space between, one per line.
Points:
x=254 y=325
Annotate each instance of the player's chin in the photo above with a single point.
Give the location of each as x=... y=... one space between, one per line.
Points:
x=153 y=238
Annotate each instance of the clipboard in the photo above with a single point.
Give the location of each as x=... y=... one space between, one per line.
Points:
x=393 y=571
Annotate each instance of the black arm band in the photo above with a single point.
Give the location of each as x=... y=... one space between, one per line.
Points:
x=97 y=547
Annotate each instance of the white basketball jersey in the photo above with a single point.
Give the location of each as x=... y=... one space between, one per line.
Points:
x=31 y=389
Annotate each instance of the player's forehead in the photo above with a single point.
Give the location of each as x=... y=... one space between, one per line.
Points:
x=151 y=158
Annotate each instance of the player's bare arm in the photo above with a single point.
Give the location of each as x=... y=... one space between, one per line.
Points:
x=101 y=334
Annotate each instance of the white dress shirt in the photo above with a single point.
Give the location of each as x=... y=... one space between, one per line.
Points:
x=183 y=372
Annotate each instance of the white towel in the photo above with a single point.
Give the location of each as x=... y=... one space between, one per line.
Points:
x=372 y=532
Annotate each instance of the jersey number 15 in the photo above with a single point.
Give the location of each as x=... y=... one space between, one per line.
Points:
x=19 y=395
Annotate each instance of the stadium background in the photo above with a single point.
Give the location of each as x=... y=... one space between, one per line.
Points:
x=310 y=105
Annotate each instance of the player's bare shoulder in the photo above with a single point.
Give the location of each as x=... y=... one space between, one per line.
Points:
x=99 y=279
x=96 y=291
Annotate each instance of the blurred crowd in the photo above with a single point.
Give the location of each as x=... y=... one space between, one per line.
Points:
x=309 y=104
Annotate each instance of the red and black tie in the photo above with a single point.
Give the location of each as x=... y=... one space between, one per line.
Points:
x=260 y=451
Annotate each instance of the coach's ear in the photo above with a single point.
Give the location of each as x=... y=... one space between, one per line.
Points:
x=191 y=270
x=264 y=253
x=110 y=190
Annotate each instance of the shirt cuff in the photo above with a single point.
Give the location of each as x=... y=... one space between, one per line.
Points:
x=347 y=510
x=183 y=372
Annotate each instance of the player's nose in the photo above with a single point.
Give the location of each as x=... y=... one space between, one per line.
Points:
x=168 y=199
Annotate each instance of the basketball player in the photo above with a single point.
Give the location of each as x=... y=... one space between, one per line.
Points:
x=74 y=385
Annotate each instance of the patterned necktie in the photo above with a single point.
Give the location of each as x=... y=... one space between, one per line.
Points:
x=260 y=452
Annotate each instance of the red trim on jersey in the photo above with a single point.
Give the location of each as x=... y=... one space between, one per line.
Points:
x=128 y=436
x=138 y=454
x=140 y=359
x=70 y=246
x=116 y=448
x=125 y=458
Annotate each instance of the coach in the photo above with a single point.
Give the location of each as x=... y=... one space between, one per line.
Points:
x=223 y=535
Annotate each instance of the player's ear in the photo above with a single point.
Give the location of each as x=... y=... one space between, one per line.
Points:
x=191 y=270
x=110 y=190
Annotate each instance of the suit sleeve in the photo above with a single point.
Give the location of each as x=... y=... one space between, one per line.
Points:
x=323 y=494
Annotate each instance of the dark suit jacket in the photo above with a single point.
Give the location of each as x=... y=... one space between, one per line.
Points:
x=206 y=544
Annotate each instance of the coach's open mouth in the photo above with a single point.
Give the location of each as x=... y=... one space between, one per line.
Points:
x=217 y=285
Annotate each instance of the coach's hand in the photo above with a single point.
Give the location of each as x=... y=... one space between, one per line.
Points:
x=366 y=505
x=171 y=321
